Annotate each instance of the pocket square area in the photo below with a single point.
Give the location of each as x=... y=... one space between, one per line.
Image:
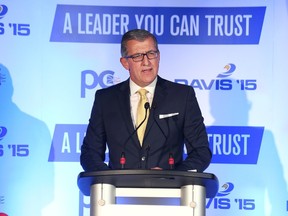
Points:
x=162 y=116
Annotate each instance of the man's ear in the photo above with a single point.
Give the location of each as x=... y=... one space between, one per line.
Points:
x=124 y=63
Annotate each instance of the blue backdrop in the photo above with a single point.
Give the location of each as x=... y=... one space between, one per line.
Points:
x=54 y=56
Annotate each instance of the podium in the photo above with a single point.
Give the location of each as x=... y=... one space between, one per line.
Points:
x=104 y=187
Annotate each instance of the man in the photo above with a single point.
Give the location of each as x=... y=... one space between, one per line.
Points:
x=172 y=115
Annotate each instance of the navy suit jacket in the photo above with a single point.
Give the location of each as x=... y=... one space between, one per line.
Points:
x=111 y=123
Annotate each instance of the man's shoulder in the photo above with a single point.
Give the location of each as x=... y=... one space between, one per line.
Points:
x=169 y=84
x=114 y=88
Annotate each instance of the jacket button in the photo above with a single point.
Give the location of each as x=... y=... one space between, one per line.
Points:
x=143 y=158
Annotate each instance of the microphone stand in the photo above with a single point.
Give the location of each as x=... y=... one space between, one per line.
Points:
x=123 y=157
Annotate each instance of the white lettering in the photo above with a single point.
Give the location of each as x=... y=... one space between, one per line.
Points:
x=67 y=24
x=106 y=24
x=209 y=26
x=217 y=141
x=97 y=29
x=154 y=24
x=115 y=27
x=78 y=142
x=80 y=31
x=229 y=144
x=139 y=20
x=66 y=143
x=245 y=142
x=89 y=23
x=237 y=149
x=228 y=25
x=247 y=18
x=185 y=25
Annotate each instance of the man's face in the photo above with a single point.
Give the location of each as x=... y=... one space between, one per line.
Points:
x=142 y=72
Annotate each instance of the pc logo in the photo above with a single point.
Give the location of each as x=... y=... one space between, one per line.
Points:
x=3 y=10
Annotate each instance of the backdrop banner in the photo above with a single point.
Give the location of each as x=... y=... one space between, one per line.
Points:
x=54 y=56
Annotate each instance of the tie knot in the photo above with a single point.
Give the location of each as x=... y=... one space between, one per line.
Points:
x=142 y=92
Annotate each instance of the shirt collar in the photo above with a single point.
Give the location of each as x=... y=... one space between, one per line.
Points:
x=150 y=88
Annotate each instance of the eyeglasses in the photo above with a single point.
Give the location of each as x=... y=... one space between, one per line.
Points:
x=140 y=56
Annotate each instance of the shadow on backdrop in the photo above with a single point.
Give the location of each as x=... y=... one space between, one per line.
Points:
x=27 y=179
x=262 y=182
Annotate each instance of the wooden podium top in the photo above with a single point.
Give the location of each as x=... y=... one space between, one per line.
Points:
x=148 y=179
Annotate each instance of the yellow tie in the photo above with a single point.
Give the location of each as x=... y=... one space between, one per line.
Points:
x=141 y=114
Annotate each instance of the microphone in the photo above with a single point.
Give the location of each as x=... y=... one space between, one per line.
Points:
x=171 y=161
x=146 y=106
x=154 y=108
x=155 y=120
x=123 y=158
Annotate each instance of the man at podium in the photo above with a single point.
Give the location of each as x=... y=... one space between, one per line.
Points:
x=146 y=120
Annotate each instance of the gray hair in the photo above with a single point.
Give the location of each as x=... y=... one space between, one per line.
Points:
x=136 y=34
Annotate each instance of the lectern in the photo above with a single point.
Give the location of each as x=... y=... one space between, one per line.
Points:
x=104 y=186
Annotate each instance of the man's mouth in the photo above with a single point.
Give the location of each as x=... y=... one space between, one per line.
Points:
x=147 y=70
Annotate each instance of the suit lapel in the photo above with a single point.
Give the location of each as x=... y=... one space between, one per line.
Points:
x=126 y=110
x=124 y=102
x=159 y=96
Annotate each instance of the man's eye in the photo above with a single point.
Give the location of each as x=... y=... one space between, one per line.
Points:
x=136 y=55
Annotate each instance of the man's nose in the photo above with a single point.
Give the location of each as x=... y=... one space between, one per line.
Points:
x=145 y=60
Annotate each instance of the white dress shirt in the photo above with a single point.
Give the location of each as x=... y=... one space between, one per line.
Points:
x=135 y=97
